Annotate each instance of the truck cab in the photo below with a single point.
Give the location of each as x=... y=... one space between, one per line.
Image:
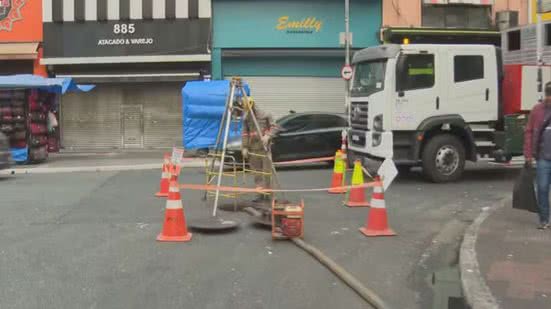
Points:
x=427 y=105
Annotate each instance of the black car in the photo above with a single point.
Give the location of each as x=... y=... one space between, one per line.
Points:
x=302 y=136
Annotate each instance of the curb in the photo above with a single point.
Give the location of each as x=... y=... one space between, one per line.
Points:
x=105 y=168
x=477 y=294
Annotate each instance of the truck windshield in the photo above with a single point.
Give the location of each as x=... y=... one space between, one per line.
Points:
x=369 y=78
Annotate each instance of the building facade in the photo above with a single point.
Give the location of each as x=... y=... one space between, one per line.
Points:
x=290 y=51
x=417 y=13
x=451 y=21
x=139 y=54
x=21 y=37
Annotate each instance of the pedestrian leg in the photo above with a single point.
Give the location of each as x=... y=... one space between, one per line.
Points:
x=543 y=172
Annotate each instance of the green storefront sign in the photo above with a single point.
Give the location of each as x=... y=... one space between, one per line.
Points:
x=289 y=25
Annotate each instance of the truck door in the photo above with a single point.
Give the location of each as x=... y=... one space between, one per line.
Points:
x=472 y=84
x=417 y=87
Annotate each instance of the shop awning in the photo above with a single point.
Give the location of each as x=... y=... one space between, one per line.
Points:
x=126 y=59
x=55 y=85
x=18 y=51
x=133 y=77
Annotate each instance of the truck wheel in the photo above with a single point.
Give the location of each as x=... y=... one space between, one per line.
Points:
x=443 y=158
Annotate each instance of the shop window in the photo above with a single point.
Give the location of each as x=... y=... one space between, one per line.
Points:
x=456 y=16
x=513 y=40
x=467 y=68
x=415 y=72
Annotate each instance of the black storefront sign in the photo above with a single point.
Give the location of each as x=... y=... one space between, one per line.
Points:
x=126 y=38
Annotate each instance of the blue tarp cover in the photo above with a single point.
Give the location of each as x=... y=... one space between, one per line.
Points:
x=55 y=85
x=19 y=155
x=203 y=105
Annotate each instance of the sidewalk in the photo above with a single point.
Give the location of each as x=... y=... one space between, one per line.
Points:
x=514 y=260
x=98 y=162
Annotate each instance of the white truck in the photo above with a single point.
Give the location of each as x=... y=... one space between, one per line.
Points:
x=434 y=106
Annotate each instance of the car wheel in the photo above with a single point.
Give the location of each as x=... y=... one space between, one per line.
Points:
x=443 y=158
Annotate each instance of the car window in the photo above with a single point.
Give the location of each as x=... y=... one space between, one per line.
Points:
x=415 y=72
x=311 y=122
x=324 y=122
x=468 y=68
x=295 y=124
x=284 y=119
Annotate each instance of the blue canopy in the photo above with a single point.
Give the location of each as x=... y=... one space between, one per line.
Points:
x=203 y=105
x=54 y=85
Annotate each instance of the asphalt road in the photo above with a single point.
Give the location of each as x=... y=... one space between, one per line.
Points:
x=87 y=240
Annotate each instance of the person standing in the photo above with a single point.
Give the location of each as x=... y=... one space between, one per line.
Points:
x=537 y=145
x=257 y=148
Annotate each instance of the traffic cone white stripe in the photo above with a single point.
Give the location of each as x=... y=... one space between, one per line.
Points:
x=377 y=203
x=173 y=189
x=174 y=204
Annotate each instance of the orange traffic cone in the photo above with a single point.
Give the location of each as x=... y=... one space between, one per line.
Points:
x=377 y=221
x=165 y=177
x=337 y=181
x=356 y=198
x=174 y=172
x=174 y=227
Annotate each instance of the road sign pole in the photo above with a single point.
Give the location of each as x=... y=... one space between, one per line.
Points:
x=347 y=31
x=347 y=55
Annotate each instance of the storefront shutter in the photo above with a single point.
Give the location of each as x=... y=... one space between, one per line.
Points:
x=91 y=120
x=279 y=95
x=96 y=119
x=162 y=115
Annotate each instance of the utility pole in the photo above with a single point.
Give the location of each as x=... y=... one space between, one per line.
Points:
x=347 y=54
x=347 y=31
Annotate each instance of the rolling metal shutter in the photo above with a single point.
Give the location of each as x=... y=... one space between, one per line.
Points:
x=162 y=114
x=96 y=119
x=278 y=95
x=92 y=120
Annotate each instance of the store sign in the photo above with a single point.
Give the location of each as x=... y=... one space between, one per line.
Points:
x=132 y=38
x=123 y=29
x=305 y=25
x=10 y=12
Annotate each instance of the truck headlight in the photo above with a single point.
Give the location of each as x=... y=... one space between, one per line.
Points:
x=378 y=123
x=376 y=139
